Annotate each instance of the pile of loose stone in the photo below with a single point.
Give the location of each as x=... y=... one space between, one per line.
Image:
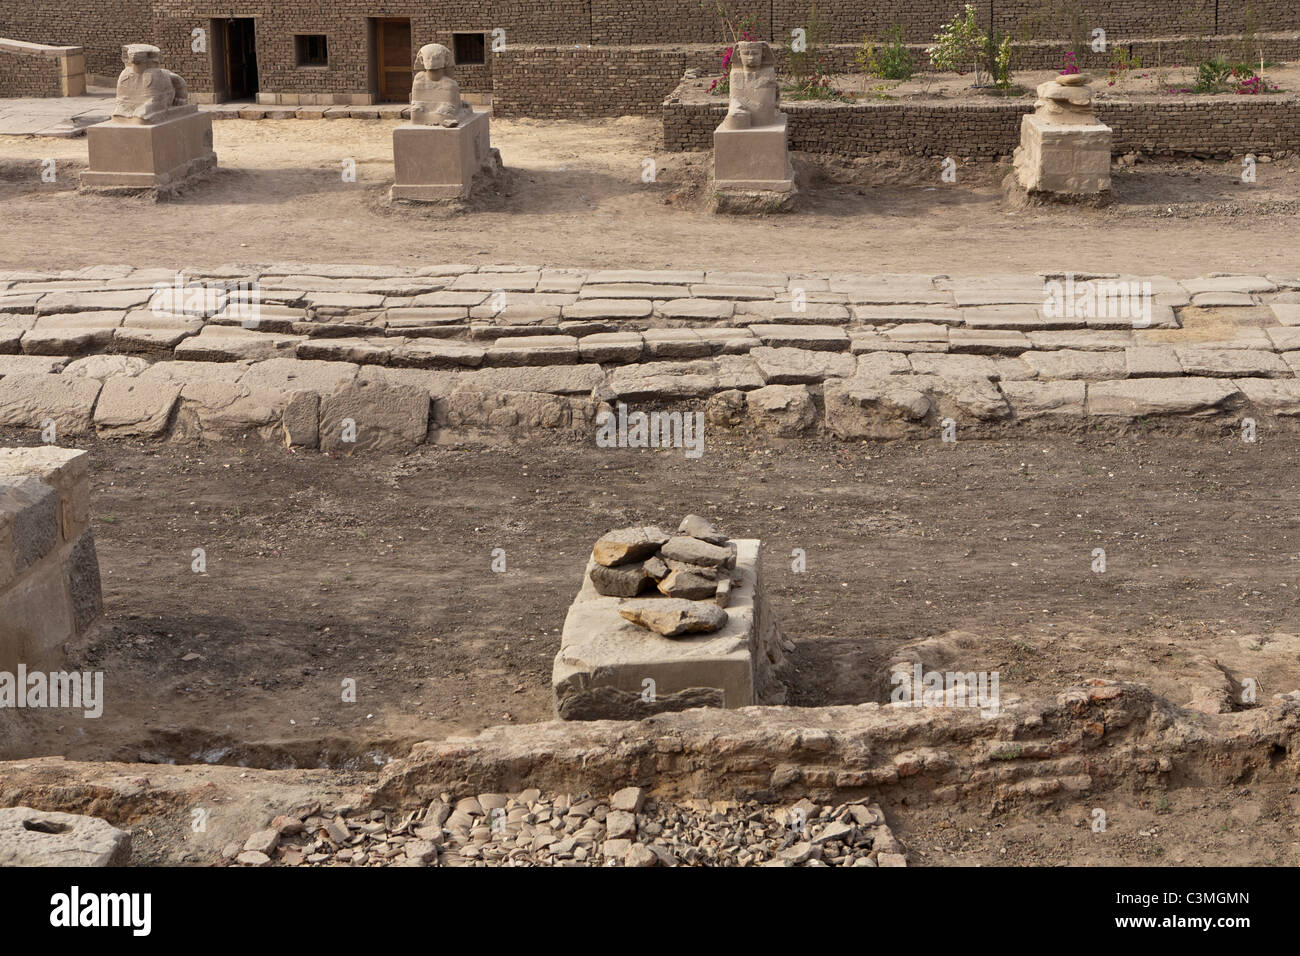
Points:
x=530 y=829
x=693 y=571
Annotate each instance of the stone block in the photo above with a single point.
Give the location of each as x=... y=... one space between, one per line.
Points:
x=1070 y=160
x=369 y=416
x=753 y=159
x=603 y=661
x=42 y=838
x=150 y=156
x=435 y=163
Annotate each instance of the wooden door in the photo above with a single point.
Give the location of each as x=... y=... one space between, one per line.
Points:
x=394 y=59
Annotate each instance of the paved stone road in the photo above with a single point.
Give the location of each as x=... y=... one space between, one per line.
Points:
x=403 y=354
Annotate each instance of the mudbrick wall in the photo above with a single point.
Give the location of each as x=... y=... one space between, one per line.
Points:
x=1193 y=126
x=49 y=575
x=558 y=83
x=568 y=82
x=102 y=26
x=1089 y=739
x=31 y=69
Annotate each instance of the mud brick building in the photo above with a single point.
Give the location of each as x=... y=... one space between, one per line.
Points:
x=304 y=52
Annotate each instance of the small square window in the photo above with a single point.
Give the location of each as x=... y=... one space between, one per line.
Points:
x=470 y=49
x=312 y=50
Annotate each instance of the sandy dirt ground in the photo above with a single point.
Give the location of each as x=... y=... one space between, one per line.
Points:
x=575 y=197
x=378 y=569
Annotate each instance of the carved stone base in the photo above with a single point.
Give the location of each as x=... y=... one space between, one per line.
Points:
x=437 y=164
x=1067 y=161
x=753 y=159
x=752 y=172
x=156 y=156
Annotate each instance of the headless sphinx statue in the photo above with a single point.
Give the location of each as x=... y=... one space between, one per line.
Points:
x=435 y=96
x=755 y=94
x=1066 y=101
x=145 y=91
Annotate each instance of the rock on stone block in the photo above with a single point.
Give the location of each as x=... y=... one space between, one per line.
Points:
x=603 y=659
x=1067 y=160
x=435 y=163
x=149 y=156
x=753 y=159
x=41 y=838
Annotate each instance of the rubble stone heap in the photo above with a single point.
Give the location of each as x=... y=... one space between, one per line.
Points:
x=692 y=571
x=630 y=828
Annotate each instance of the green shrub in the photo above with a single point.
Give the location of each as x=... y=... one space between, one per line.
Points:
x=959 y=44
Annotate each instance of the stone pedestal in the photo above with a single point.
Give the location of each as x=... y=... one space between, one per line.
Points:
x=163 y=155
x=753 y=159
x=1063 y=161
x=605 y=660
x=435 y=163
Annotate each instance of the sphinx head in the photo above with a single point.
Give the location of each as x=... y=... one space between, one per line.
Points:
x=754 y=55
x=141 y=57
x=433 y=56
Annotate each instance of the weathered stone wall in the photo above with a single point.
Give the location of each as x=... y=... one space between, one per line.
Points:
x=49 y=574
x=1203 y=125
x=33 y=69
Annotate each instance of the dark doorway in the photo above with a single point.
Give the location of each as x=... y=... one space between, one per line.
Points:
x=238 y=38
x=394 y=59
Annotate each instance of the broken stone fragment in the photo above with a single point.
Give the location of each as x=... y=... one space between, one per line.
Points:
x=722 y=596
x=625 y=580
x=693 y=526
x=671 y=616
x=694 y=551
x=681 y=583
x=656 y=568
x=628 y=544
x=699 y=569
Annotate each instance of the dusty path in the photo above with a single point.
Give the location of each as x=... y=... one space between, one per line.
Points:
x=322 y=568
x=575 y=197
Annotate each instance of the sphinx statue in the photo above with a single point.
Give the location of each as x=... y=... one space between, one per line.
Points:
x=146 y=92
x=755 y=94
x=1066 y=101
x=435 y=95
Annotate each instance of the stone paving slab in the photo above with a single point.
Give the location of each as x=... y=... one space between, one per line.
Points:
x=514 y=345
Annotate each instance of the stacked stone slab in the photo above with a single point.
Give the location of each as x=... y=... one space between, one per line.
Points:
x=49 y=573
x=665 y=622
x=1064 y=152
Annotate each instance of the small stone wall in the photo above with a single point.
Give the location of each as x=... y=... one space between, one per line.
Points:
x=32 y=69
x=1182 y=126
x=49 y=573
